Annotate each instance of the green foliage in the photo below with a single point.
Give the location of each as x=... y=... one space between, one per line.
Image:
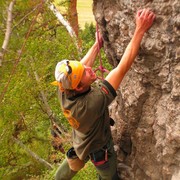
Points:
x=22 y=112
x=88 y=35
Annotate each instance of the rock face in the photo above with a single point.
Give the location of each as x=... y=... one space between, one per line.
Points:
x=147 y=108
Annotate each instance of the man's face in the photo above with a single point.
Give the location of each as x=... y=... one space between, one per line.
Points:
x=89 y=76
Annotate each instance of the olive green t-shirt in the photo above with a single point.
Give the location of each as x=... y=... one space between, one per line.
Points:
x=88 y=115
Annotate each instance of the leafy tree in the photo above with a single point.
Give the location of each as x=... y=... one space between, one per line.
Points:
x=22 y=111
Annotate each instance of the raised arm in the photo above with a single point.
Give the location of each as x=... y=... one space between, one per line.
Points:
x=144 y=20
x=90 y=57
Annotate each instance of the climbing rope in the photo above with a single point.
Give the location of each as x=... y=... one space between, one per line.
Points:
x=100 y=68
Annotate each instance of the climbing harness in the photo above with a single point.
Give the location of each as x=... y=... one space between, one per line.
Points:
x=100 y=68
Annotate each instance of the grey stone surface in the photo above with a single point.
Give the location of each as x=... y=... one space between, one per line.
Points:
x=147 y=108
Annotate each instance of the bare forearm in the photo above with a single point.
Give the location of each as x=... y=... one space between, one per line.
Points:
x=90 y=57
x=116 y=75
x=130 y=52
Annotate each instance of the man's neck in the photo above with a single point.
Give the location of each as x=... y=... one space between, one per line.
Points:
x=85 y=89
x=76 y=94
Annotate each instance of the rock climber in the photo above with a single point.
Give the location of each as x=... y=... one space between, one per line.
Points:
x=86 y=106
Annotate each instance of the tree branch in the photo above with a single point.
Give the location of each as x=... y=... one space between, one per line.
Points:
x=66 y=24
x=46 y=106
x=8 y=30
x=32 y=154
x=22 y=19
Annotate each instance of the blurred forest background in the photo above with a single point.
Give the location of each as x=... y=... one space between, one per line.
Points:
x=32 y=41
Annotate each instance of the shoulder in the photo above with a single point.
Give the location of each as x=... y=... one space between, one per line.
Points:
x=104 y=87
x=107 y=88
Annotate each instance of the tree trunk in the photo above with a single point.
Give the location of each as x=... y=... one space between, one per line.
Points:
x=73 y=16
x=146 y=110
x=66 y=24
x=8 y=30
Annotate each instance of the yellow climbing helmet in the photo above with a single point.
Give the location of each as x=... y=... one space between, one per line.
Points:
x=68 y=74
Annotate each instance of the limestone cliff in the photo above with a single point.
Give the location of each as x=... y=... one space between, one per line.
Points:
x=147 y=108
